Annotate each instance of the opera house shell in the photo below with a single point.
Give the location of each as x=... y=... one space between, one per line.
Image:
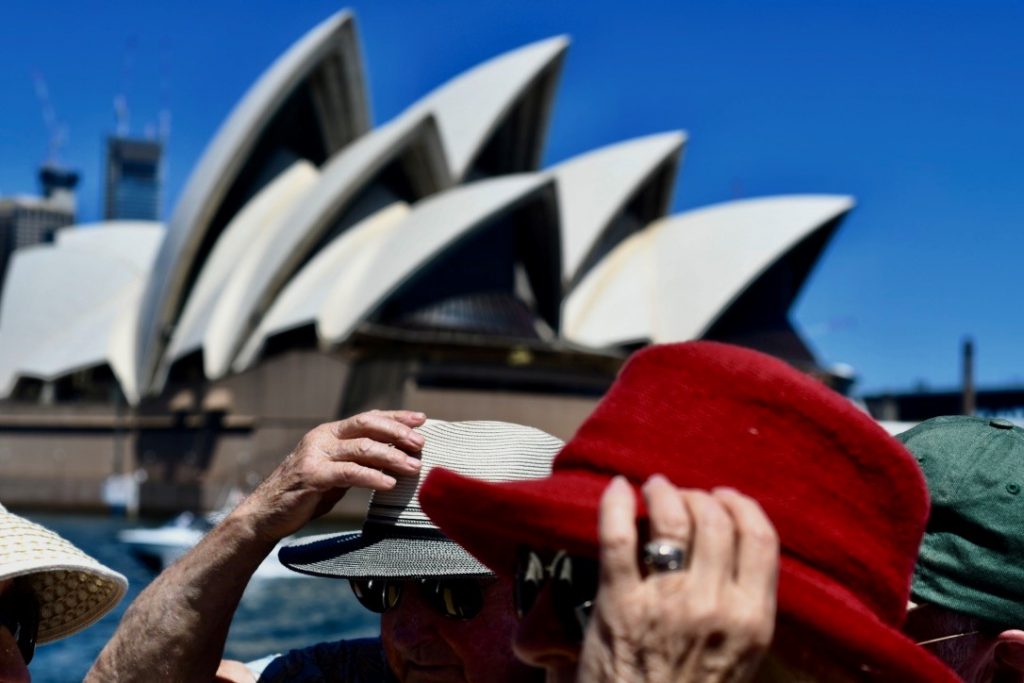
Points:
x=316 y=265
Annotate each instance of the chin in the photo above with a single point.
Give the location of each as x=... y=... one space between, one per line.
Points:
x=434 y=674
x=560 y=674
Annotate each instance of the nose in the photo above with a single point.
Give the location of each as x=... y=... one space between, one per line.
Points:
x=413 y=624
x=542 y=640
x=12 y=666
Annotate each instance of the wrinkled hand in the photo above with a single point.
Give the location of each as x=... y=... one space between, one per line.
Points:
x=233 y=671
x=709 y=622
x=332 y=458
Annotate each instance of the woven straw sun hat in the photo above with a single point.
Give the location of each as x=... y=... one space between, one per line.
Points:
x=73 y=589
x=398 y=540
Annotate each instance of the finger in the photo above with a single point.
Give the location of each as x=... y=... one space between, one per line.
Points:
x=233 y=671
x=617 y=534
x=370 y=453
x=713 y=547
x=757 y=543
x=345 y=475
x=380 y=428
x=410 y=418
x=668 y=516
x=377 y=425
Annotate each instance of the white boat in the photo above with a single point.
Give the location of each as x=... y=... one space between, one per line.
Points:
x=159 y=547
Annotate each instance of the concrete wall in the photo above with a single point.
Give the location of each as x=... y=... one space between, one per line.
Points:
x=558 y=415
x=68 y=466
x=198 y=441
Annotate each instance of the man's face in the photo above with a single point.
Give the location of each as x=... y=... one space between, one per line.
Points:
x=422 y=644
x=12 y=666
x=543 y=641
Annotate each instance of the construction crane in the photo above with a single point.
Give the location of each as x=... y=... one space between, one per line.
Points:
x=159 y=130
x=56 y=130
x=164 y=116
x=121 y=116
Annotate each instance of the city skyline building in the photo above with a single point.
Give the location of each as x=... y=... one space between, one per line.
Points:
x=133 y=179
x=26 y=220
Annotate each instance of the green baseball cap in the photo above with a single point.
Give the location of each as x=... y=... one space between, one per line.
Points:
x=972 y=553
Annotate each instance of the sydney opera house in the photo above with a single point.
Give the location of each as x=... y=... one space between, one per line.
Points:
x=316 y=265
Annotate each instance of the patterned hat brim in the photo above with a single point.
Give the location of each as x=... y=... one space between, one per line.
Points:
x=73 y=590
x=354 y=555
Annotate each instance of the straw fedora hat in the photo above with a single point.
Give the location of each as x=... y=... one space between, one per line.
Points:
x=397 y=539
x=73 y=589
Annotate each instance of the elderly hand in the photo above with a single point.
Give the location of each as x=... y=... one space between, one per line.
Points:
x=711 y=620
x=330 y=459
x=233 y=671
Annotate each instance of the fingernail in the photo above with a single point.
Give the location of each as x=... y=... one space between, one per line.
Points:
x=656 y=477
x=420 y=416
x=414 y=462
x=724 y=489
x=417 y=439
x=618 y=483
x=389 y=480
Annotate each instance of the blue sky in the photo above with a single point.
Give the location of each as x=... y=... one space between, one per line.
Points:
x=915 y=108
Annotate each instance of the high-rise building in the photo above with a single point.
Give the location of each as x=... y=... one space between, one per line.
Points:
x=27 y=220
x=134 y=179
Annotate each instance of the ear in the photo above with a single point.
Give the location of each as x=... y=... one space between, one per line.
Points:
x=1009 y=650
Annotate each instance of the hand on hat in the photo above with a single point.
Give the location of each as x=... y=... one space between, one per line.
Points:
x=176 y=629
x=332 y=458
x=709 y=621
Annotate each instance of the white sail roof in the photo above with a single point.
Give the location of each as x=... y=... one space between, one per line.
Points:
x=434 y=225
x=267 y=267
x=494 y=88
x=470 y=107
x=671 y=281
x=256 y=226
x=326 y=62
x=135 y=242
x=595 y=187
x=82 y=342
x=64 y=304
x=523 y=79
x=302 y=301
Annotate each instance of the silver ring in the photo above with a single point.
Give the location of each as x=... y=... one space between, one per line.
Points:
x=664 y=556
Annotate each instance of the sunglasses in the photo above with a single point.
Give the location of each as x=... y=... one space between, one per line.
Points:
x=573 y=587
x=19 y=614
x=453 y=598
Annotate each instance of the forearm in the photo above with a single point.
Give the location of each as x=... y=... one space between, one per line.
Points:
x=176 y=629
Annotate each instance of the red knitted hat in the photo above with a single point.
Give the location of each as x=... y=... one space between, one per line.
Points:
x=848 y=501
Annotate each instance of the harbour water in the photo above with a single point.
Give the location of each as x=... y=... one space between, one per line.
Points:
x=276 y=614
